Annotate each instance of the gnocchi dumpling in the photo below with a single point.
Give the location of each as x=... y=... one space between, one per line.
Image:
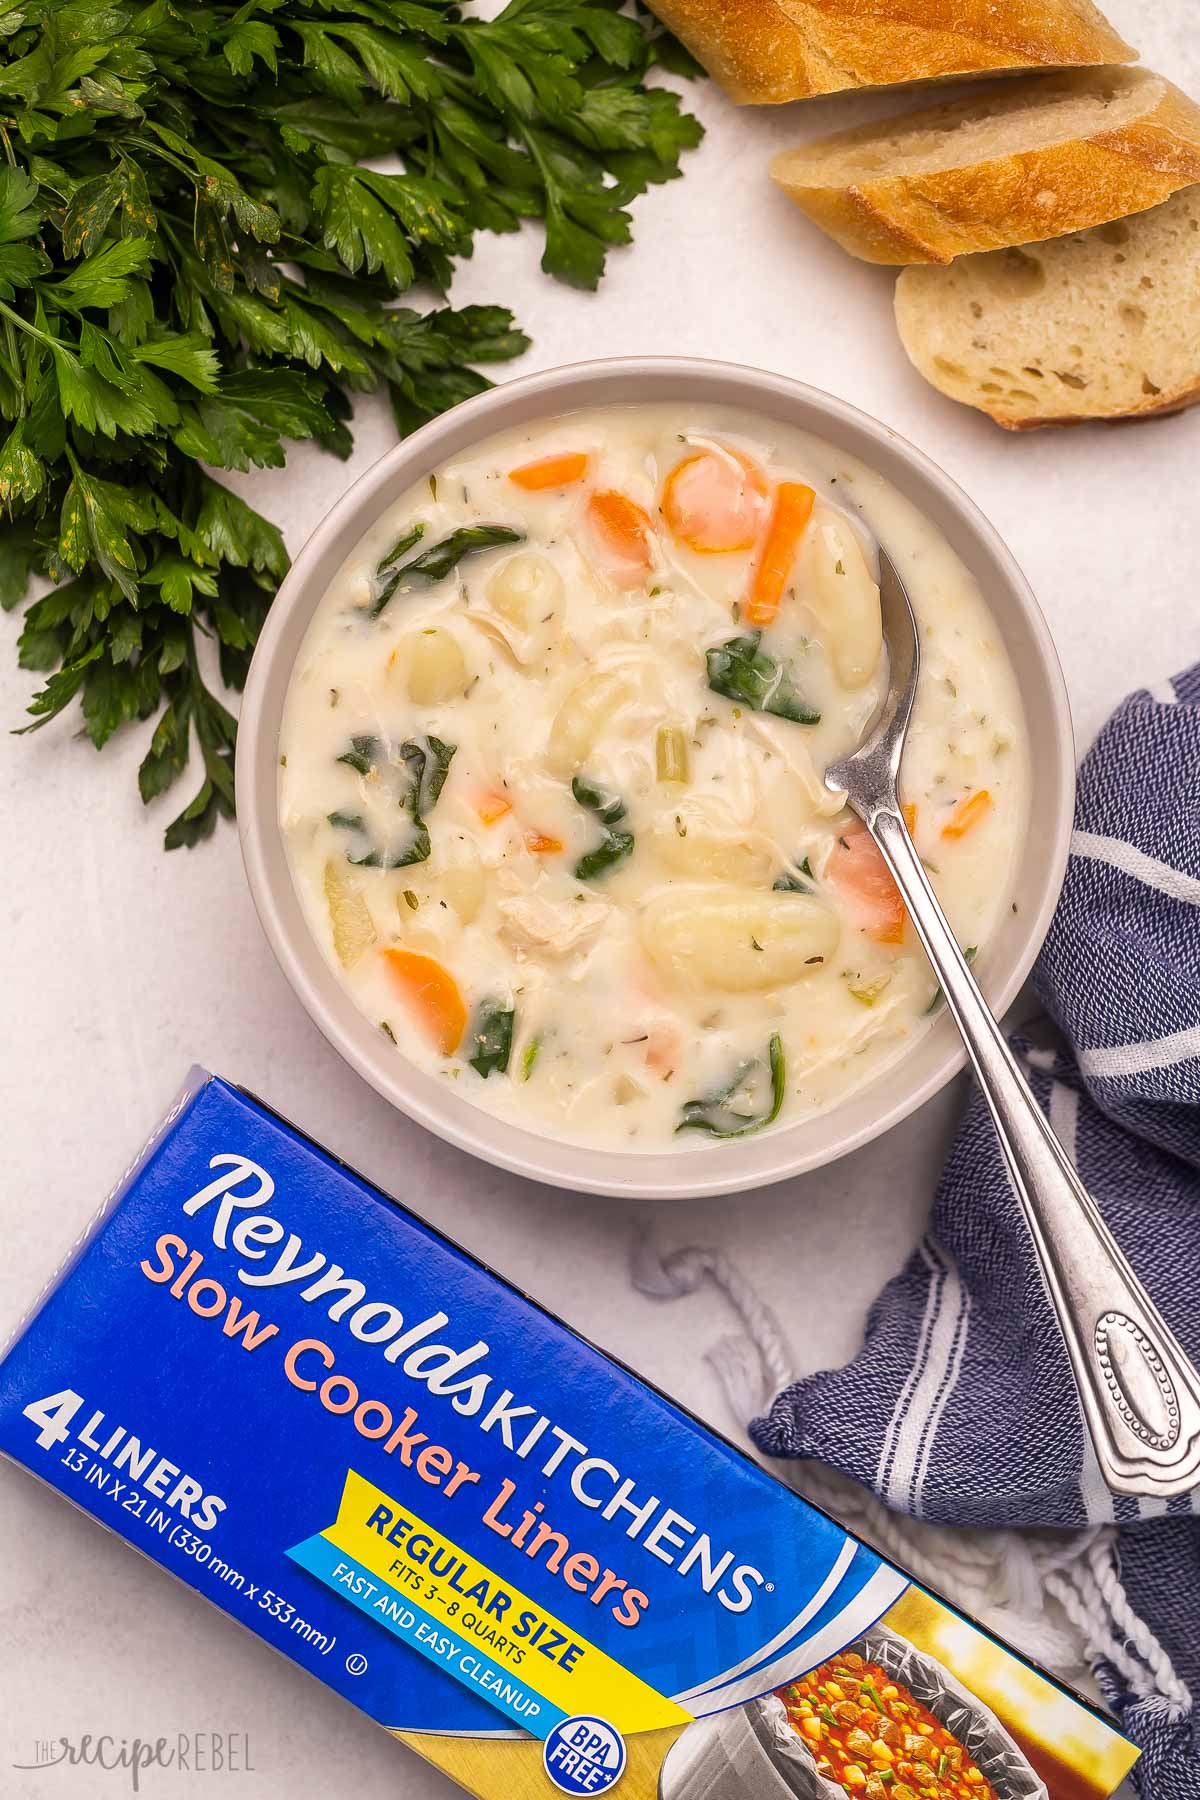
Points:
x=526 y=590
x=845 y=599
x=433 y=665
x=524 y=610
x=583 y=715
x=736 y=939
x=693 y=841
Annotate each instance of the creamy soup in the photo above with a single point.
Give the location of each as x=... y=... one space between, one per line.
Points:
x=550 y=775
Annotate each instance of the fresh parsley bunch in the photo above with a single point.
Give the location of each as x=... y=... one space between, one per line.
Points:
x=200 y=254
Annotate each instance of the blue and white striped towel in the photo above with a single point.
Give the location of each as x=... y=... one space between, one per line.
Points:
x=960 y=1407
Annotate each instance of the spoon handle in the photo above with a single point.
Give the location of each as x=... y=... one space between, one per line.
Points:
x=1139 y=1389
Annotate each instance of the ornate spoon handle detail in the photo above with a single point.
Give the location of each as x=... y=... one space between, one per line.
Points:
x=1139 y=1389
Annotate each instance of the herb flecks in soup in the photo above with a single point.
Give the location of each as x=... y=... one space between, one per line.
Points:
x=551 y=768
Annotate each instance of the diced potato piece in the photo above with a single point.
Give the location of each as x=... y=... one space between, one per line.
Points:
x=736 y=939
x=434 y=666
x=582 y=717
x=525 y=589
x=349 y=914
x=846 y=601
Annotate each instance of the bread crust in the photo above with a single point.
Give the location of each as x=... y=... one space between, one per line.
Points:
x=1157 y=409
x=766 y=52
x=1160 y=409
x=1022 y=198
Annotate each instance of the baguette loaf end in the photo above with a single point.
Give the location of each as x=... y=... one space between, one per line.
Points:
x=765 y=52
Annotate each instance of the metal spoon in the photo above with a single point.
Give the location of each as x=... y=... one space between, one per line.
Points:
x=1139 y=1390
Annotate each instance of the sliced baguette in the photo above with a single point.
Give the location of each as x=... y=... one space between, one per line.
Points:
x=763 y=52
x=1022 y=161
x=1104 y=324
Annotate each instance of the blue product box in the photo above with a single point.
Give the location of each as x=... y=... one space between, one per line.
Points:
x=501 y=1545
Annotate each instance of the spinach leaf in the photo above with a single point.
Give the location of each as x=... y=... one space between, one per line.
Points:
x=716 y=1114
x=414 y=776
x=434 y=564
x=739 y=670
x=609 y=809
x=615 y=847
x=401 y=547
x=428 y=760
x=491 y=1034
x=365 y=853
x=364 y=754
x=787 y=883
x=938 y=996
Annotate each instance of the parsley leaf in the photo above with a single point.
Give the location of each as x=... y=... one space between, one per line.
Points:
x=208 y=216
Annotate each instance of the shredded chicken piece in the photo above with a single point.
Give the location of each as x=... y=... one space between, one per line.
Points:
x=790 y=747
x=555 y=927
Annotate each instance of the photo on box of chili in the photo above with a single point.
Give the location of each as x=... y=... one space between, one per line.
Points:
x=923 y=1706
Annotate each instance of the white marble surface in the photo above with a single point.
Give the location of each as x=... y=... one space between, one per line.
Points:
x=122 y=965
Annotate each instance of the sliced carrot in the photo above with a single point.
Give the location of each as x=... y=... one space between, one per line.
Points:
x=663 y=1048
x=551 y=471
x=433 y=994
x=540 y=844
x=909 y=809
x=714 y=501
x=858 y=872
x=789 y=516
x=625 y=534
x=492 y=806
x=967 y=813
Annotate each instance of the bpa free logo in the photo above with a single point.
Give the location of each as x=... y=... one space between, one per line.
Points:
x=584 y=1755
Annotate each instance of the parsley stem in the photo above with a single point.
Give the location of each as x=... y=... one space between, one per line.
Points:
x=24 y=325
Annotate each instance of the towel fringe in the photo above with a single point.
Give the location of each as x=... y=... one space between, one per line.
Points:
x=1003 y=1577
x=1091 y=1594
x=675 y=1275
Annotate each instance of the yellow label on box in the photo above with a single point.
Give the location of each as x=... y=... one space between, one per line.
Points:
x=417 y=1581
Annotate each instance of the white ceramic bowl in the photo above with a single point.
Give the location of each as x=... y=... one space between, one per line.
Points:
x=714 y=1168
